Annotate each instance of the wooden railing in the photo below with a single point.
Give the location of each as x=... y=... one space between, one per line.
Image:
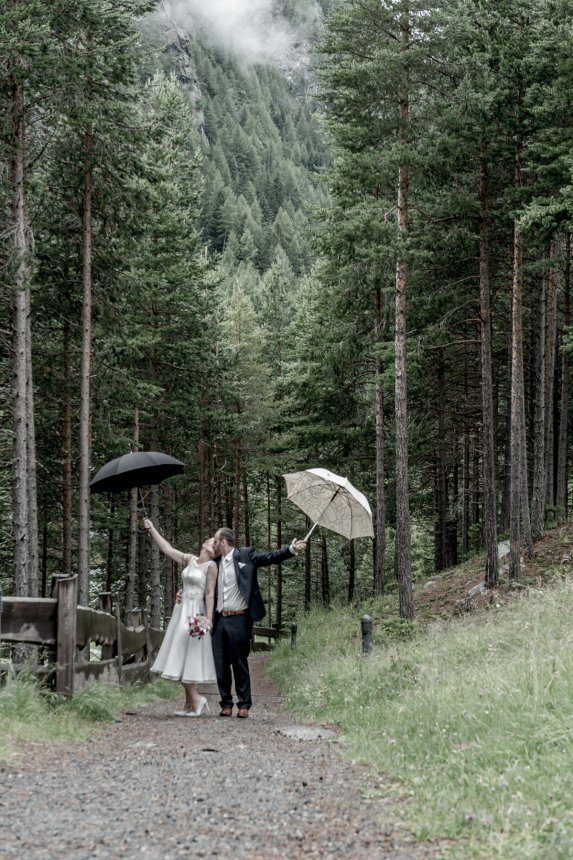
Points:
x=65 y=628
x=269 y=633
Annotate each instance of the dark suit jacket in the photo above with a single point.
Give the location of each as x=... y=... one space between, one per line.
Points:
x=246 y=563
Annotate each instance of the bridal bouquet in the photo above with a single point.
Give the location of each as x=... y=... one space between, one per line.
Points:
x=198 y=626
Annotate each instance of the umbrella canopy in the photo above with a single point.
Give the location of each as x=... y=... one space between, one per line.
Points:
x=139 y=469
x=330 y=501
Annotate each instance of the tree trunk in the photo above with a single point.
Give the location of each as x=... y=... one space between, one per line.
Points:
x=67 y=458
x=109 y=576
x=440 y=471
x=33 y=538
x=201 y=499
x=169 y=567
x=308 y=569
x=238 y=486
x=279 y=597
x=550 y=364
x=562 y=458
x=380 y=522
x=489 y=483
x=132 y=551
x=155 y=564
x=539 y=463
x=516 y=405
x=466 y=471
x=403 y=547
x=324 y=575
x=142 y=569
x=269 y=545
x=21 y=239
x=351 y=570
x=85 y=373
x=246 y=510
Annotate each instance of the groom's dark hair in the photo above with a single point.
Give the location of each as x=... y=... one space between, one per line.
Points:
x=228 y=535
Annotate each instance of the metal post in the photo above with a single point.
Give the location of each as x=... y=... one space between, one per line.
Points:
x=293 y=629
x=366 y=624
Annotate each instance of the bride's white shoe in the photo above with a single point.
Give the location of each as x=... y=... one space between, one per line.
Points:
x=203 y=706
x=184 y=713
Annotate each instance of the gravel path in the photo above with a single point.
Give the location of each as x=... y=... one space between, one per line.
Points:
x=158 y=786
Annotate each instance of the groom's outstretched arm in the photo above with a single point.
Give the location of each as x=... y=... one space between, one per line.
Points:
x=264 y=559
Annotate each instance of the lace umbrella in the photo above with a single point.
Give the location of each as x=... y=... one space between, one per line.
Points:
x=330 y=501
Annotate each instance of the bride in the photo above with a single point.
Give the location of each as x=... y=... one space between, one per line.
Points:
x=183 y=657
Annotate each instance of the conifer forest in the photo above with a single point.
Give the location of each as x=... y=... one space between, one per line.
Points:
x=271 y=236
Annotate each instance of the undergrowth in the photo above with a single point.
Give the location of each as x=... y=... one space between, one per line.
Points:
x=473 y=717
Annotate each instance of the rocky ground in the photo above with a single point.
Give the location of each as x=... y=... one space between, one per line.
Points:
x=159 y=786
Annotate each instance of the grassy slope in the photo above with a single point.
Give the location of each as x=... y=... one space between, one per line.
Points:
x=473 y=715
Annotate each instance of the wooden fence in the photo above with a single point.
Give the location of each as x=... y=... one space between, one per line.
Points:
x=65 y=629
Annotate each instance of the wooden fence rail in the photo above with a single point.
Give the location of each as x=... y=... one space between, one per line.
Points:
x=65 y=629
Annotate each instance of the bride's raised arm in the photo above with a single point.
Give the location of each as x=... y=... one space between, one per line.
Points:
x=165 y=546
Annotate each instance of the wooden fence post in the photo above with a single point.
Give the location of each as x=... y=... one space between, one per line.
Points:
x=56 y=577
x=148 y=645
x=105 y=604
x=136 y=618
x=118 y=643
x=67 y=596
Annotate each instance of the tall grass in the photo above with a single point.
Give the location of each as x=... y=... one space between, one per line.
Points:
x=474 y=718
x=30 y=712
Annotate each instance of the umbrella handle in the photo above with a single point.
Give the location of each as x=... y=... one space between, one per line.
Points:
x=311 y=531
x=322 y=512
x=141 y=499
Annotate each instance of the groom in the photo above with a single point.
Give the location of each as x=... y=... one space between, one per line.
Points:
x=238 y=604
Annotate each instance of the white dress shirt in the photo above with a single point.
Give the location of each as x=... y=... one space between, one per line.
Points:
x=228 y=595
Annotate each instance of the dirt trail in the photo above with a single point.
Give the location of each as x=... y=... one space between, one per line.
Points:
x=158 y=786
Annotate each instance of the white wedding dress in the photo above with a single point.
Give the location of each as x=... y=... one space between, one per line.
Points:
x=183 y=657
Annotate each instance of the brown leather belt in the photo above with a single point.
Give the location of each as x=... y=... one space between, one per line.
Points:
x=228 y=612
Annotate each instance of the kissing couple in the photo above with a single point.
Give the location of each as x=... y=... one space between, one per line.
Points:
x=220 y=585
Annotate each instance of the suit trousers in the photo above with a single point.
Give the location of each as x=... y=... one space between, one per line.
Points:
x=231 y=639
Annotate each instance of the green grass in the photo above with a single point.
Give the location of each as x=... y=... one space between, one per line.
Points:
x=29 y=712
x=474 y=718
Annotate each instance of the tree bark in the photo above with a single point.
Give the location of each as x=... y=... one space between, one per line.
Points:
x=85 y=376
x=279 y=525
x=550 y=364
x=516 y=405
x=133 y=543
x=380 y=522
x=155 y=564
x=539 y=463
x=324 y=574
x=246 y=517
x=351 y=570
x=440 y=471
x=403 y=547
x=562 y=452
x=466 y=470
x=488 y=440
x=269 y=545
x=21 y=238
x=32 y=490
x=109 y=576
x=67 y=457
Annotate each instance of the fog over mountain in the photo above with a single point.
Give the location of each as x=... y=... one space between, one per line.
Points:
x=253 y=29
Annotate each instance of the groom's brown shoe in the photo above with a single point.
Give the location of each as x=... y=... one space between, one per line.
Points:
x=226 y=712
x=243 y=713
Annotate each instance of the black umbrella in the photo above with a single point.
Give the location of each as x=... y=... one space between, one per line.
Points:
x=139 y=469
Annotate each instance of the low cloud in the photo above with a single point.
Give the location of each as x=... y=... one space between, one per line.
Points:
x=250 y=28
